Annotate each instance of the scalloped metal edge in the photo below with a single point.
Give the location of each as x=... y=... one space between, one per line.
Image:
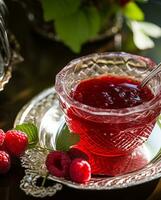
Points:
x=150 y=172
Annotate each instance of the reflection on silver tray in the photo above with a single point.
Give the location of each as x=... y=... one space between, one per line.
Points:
x=44 y=111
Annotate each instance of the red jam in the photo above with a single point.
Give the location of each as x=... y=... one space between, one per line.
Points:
x=111 y=92
x=108 y=135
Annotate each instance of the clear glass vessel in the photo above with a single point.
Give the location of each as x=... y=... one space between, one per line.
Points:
x=9 y=49
x=109 y=132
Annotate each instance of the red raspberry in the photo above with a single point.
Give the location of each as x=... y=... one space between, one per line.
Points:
x=80 y=170
x=77 y=153
x=2 y=136
x=5 y=162
x=16 y=142
x=124 y=2
x=58 y=163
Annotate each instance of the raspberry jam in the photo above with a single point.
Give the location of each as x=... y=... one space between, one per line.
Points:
x=109 y=136
x=103 y=102
x=111 y=92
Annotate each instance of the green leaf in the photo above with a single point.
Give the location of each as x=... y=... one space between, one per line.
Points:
x=73 y=30
x=132 y=11
x=76 y=29
x=54 y=9
x=31 y=131
x=142 y=1
x=94 y=21
x=140 y=37
x=150 y=29
x=64 y=139
x=159 y=121
x=142 y=41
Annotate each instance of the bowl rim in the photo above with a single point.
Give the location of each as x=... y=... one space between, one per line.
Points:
x=61 y=91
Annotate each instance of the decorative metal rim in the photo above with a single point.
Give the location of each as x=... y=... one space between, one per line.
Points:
x=15 y=58
x=150 y=172
x=6 y=77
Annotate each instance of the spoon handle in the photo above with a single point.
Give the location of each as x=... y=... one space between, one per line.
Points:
x=155 y=71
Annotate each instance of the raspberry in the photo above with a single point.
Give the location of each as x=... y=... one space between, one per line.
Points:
x=80 y=170
x=5 y=162
x=2 y=136
x=58 y=163
x=124 y=2
x=77 y=153
x=16 y=142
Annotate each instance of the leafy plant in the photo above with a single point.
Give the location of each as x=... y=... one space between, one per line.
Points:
x=78 y=21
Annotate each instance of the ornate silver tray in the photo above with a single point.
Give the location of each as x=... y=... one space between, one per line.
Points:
x=44 y=111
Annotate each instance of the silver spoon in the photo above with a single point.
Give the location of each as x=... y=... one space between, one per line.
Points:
x=155 y=71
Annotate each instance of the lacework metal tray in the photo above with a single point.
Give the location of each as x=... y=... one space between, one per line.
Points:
x=44 y=111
